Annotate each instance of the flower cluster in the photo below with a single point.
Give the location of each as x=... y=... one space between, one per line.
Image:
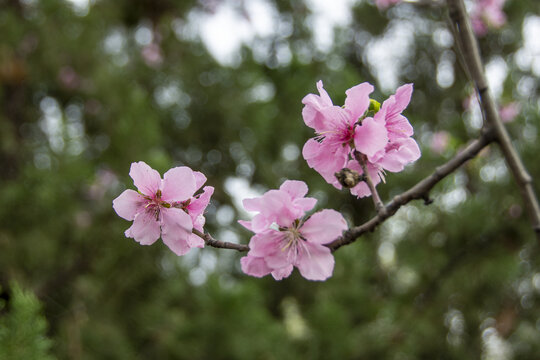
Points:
x=284 y=238
x=165 y=207
x=361 y=136
x=381 y=134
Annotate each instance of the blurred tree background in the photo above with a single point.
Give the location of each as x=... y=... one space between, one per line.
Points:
x=87 y=87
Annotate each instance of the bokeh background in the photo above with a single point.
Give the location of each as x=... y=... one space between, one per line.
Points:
x=89 y=86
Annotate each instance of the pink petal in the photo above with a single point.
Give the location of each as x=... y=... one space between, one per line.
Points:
x=315 y=262
x=305 y=204
x=362 y=190
x=265 y=243
x=128 y=204
x=274 y=206
x=399 y=127
x=357 y=101
x=198 y=222
x=246 y=224
x=325 y=159
x=254 y=204
x=403 y=98
x=282 y=273
x=325 y=99
x=324 y=226
x=146 y=179
x=279 y=258
x=195 y=241
x=198 y=204
x=370 y=137
x=336 y=118
x=145 y=228
x=311 y=111
x=176 y=229
x=254 y=266
x=200 y=179
x=178 y=184
x=400 y=153
x=295 y=188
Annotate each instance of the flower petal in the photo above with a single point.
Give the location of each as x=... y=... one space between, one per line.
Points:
x=295 y=188
x=195 y=241
x=326 y=159
x=403 y=98
x=324 y=226
x=146 y=179
x=176 y=228
x=315 y=262
x=282 y=273
x=362 y=190
x=370 y=137
x=246 y=224
x=200 y=179
x=265 y=243
x=305 y=204
x=313 y=105
x=198 y=204
x=128 y=204
x=357 y=101
x=145 y=228
x=273 y=206
x=399 y=153
x=178 y=184
x=254 y=266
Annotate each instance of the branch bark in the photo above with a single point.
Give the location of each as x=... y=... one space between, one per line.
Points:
x=471 y=54
x=210 y=241
x=419 y=191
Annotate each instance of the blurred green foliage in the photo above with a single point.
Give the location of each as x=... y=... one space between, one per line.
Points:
x=84 y=92
x=22 y=327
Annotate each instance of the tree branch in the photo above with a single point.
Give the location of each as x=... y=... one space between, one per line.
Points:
x=419 y=191
x=471 y=55
x=209 y=240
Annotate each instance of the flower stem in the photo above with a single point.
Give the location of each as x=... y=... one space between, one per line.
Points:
x=379 y=206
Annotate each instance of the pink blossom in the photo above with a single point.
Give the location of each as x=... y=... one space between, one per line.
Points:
x=385 y=139
x=295 y=241
x=164 y=207
x=487 y=14
x=338 y=129
x=384 y=4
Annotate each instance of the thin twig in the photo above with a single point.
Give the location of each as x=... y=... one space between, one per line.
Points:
x=379 y=206
x=419 y=191
x=471 y=54
x=209 y=240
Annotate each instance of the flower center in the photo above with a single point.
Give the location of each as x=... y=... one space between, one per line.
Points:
x=293 y=241
x=154 y=204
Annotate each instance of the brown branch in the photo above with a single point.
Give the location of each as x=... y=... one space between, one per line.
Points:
x=419 y=191
x=471 y=54
x=209 y=240
x=379 y=206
